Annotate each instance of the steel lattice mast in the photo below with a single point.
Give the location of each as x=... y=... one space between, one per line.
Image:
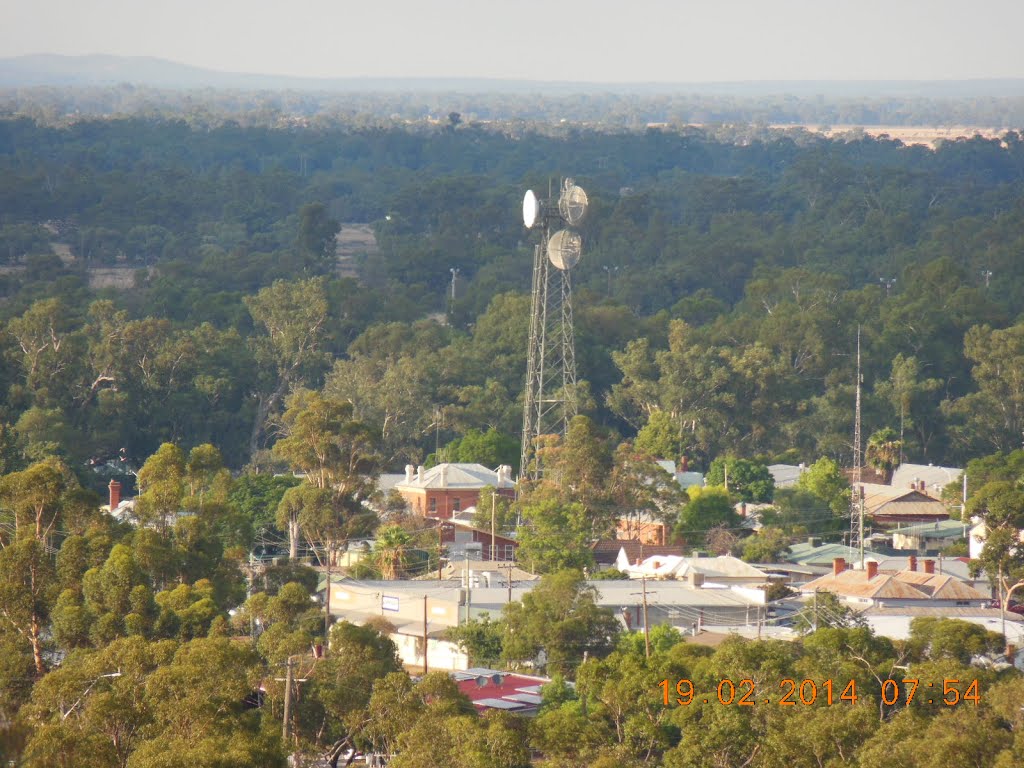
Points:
x=549 y=402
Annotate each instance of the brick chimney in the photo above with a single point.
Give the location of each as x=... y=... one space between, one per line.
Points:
x=929 y=566
x=838 y=566
x=684 y=464
x=872 y=569
x=115 y=494
x=911 y=563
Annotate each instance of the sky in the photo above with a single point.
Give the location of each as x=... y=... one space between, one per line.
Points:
x=566 y=40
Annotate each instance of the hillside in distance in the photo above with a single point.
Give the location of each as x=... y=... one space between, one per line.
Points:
x=99 y=69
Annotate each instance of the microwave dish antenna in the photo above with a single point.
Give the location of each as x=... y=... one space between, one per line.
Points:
x=565 y=248
x=531 y=209
x=572 y=203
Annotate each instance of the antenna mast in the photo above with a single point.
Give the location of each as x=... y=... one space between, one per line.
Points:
x=549 y=403
x=857 y=490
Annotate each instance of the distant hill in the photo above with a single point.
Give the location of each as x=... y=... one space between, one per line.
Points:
x=104 y=70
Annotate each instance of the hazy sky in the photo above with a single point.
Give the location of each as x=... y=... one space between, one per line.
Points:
x=581 y=40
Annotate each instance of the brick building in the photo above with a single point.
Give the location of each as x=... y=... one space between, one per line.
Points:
x=447 y=489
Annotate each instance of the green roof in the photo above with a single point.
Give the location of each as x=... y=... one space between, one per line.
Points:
x=805 y=554
x=939 y=530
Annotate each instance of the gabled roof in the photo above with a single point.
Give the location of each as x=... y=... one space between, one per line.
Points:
x=606 y=551
x=456 y=477
x=905 y=585
x=884 y=500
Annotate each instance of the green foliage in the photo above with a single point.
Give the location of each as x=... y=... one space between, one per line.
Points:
x=560 y=618
x=768 y=545
x=750 y=481
x=554 y=536
x=480 y=639
x=708 y=508
x=490 y=448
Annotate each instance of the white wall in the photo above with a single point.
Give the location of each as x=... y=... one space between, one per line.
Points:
x=441 y=654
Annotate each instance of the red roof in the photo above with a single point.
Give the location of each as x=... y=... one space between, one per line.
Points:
x=490 y=689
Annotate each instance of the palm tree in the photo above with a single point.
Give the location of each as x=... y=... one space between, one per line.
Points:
x=883 y=451
x=391 y=550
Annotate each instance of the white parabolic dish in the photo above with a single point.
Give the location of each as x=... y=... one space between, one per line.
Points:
x=530 y=208
x=572 y=204
x=564 y=249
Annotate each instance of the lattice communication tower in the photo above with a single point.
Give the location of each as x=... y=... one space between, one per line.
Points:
x=550 y=400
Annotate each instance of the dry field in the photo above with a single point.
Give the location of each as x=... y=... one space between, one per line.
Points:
x=908 y=134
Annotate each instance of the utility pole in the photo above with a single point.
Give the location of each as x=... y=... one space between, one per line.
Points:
x=425 y=635
x=287 y=699
x=455 y=274
x=815 y=622
x=440 y=546
x=327 y=603
x=888 y=282
x=469 y=589
x=493 y=546
x=987 y=274
x=509 y=580
x=647 y=633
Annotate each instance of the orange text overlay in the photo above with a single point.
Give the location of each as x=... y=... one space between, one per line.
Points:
x=792 y=693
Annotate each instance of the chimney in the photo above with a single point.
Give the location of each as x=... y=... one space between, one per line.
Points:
x=419 y=474
x=696 y=579
x=838 y=566
x=814 y=541
x=684 y=464
x=444 y=475
x=911 y=563
x=115 y=494
x=410 y=472
x=743 y=509
x=921 y=486
x=872 y=569
x=929 y=566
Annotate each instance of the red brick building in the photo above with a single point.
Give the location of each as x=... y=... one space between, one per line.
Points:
x=447 y=489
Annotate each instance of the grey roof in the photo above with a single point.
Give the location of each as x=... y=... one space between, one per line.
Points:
x=786 y=475
x=389 y=480
x=935 y=478
x=464 y=476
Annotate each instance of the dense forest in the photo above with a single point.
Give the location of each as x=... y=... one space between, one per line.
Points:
x=176 y=314
x=722 y=285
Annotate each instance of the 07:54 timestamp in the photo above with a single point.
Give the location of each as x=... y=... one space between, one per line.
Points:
x=743 y=693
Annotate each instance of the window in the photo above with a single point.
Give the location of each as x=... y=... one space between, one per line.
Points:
x=456 y=504
x=433 y=505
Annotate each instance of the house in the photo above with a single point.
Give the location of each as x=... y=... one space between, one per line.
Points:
x=926 y=478
x=642 y=527
x=446 y=489
x=464 y=541
x=606 y=551
x=682 y=473
x=718 y=570
x=491 y=689
x=892 y=507
x=925 y=537
x=814 y=552
x=786 y=475
x=418 y=608
x=871 y=587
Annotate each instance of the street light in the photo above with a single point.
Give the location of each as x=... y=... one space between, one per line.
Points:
x=888 y=282
x=609 y=271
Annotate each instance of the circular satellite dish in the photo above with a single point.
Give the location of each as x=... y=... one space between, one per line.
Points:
x=572 y=204
x=531 y=207
x=564 y=248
